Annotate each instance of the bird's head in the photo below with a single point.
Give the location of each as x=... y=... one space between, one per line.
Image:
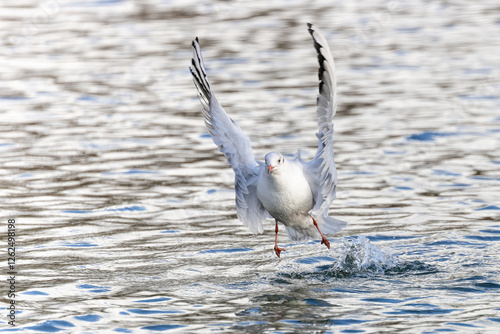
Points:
x=274 y=161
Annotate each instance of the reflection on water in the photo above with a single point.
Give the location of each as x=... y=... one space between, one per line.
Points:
x=125 y=209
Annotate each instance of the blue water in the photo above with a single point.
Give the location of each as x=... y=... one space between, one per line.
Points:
x=125 y=209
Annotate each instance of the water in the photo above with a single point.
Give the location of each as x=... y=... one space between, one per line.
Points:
x=125 y=210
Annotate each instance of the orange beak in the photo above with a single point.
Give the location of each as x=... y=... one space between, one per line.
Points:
x=270 y=168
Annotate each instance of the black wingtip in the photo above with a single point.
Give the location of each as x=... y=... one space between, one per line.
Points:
x=310 y=28
x=195 y=40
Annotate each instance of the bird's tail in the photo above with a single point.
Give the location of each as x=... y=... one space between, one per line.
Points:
x=327 y=225
x=330 y=225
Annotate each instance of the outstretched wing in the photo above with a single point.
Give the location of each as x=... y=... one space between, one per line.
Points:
x=321 y=170
x=234 y=144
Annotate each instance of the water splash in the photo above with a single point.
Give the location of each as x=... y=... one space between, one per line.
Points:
x=359 y=256
x=356 y=257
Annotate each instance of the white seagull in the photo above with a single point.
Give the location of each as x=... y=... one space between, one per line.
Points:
x=293 y=192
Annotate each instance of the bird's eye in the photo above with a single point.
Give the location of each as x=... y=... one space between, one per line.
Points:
x=279 y=161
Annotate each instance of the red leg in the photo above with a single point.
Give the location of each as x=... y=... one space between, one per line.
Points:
x=276 y=248
x=323 y=239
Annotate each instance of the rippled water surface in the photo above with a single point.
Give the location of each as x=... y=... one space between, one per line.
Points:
x=125 y=209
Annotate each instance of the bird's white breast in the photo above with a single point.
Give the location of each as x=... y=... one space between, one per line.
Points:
x=286 y=195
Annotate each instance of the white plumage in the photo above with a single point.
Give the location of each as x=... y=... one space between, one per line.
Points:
x=293 y=192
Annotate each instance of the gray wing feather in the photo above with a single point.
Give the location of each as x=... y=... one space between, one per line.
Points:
x=234 y=144
x=321 y=170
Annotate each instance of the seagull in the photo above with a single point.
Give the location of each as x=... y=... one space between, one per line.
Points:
x=293 y=192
